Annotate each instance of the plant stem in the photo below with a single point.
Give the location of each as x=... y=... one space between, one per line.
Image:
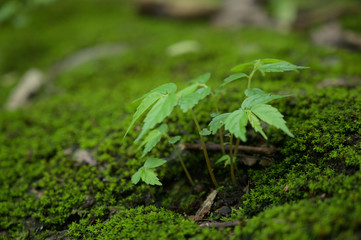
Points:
x=250 y=78
x=220 y=129
x=183 y=165
x=205 y=151
x=251 y=74
x=236 y=150
x=222 y=142
x=231 y=156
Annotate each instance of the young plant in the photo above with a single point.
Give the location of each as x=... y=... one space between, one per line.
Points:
x=147 y=173
x=254 y=108
x=160 y=102
x=189 y=98
x=154 y=137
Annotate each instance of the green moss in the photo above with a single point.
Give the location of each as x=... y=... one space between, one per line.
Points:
x=45 y=192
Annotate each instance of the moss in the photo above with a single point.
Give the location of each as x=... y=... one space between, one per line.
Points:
x=45 y=192
x=317 y=218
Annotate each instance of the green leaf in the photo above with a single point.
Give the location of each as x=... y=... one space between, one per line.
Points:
x=202 y=79
x=243 y=66
x=256 y=124
x=257 y=96
x=153 y=138
x=190 y=100
x=233 y=78
x=205 y=132
x=147 y=102
x=279 y=67
x=136 y=176
x=236 y=124
x=150 y=177
x=272 y=116
x=162 y=109
x=162 y=89
x=253 y=91
x=217 y=122
x=226 y=159
x=149 y=99
x=175 y=139
x=271 y=60
x=154 y=162
x=187 y=90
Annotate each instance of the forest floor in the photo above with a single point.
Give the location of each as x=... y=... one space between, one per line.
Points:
x=66 y=170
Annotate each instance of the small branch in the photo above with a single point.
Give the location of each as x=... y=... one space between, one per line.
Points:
x=217 y=147
x=220 y=224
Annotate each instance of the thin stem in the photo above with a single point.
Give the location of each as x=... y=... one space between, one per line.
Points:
x=183 y=165
x=250 y=78
x=236 y=150
x=205 y=151
x=231 y=156
x=222 y=142
x=252 y=73
x=220 y=129
x=151 y=194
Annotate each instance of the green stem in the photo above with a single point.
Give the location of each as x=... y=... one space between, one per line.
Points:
x=236 y=150
x=252 y=73
x=205 y=151
x=222 y=142
x=183 y=165
x=231 y=156
x=220 y=129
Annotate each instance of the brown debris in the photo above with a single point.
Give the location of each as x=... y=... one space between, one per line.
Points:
x=242 y=13
x=220 y=224
x=182 y=9
x=30 y=84
x=217 y=147
x=205 y=208
x=332 y=34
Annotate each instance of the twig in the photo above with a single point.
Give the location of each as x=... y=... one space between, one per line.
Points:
x=220 y=224
x=217 y=147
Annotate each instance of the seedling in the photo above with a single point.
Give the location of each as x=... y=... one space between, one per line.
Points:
x=154 y=137
x=254 y=107
x=161 y=101
x=147 y=173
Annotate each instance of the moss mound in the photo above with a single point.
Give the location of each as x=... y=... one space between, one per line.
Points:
x=310 y=190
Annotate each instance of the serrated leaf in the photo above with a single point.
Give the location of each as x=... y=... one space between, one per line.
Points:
x=190 y=100
x=153 y=138
x=223 y=158
x=253 y=91
x=202 y=79
x=162 y=89
x=255 y=123
x=272 y=116
x=259 y=97
x=149 y=99
x=271 y=60
x=187 y=90
x=150 y=177
x=136 y=176
x=205 y=132
x=154 y=162
x=147 y=102
x=226 y=159
x=233 y=78
x=217 y=122
x=175 y=139
x=242 y=67
x=162 y=109
x=236 y=124
x=279 y=67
